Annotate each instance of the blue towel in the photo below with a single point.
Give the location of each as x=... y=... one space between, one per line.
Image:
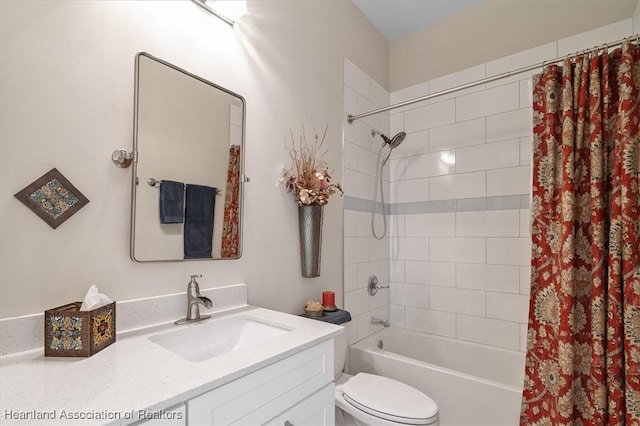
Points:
x=171 y=202
x=198 y=221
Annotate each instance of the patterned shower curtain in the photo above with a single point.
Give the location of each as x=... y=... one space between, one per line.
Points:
x=583 y=347
x=231 y=223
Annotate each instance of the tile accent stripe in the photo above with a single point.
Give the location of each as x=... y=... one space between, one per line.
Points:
x=506 y=202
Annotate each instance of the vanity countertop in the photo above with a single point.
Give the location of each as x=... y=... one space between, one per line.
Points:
x=134 y=374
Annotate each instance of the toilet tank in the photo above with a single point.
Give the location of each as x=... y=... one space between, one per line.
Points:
x=339 y=352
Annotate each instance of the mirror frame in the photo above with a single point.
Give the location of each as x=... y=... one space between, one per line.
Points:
x=134 y=176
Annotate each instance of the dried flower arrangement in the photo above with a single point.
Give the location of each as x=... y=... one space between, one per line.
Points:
x=309 y=177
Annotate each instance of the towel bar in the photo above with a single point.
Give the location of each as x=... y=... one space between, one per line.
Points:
x=153 y=182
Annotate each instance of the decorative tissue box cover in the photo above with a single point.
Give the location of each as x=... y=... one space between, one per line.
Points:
x=70 y=332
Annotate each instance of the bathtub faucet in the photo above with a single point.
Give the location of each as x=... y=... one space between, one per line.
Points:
x=379 y=321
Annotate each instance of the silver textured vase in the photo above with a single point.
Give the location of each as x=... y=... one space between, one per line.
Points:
x=310 y=223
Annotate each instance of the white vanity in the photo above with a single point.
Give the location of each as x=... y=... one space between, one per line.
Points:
x=271 y=368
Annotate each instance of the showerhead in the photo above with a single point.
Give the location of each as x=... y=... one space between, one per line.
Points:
x=394 y=141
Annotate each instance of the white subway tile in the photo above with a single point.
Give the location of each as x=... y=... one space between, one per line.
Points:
x=366 y=162
x=508 y=251
x=355 y=78
x=365 y=328
x=407 y=191
x=356 y=301
x=409 y=295
x=426 y=117
x=378 y=249
x=596 y=37
x=375 y=121
x=431 y=273
x=488 y=277
x=381 y=298
x=434 y=322
x=425 y=165
x=407 y=94
x=461 y=301
x=356 y=184
x=350 y=156
x=415 y=143
x=525 y=214
x=490 y=223
x=396 y=122
x=461 y=185
x=396 y=169
x=508 y=307
x=526 y=93
x=523 y=337
x=396 y=271
x=350 y=223
x=525 y=280
x=488 y=331
x=412 y=248
x=396 y=316
x=488 y=156
x=396 y=225
x=526 y=151
x=350 y=100
x=378 y=94
x=458 y=78
x=511 y=181
x=364 y=271
x=383 y=270
x=363 y=227
x=430 y=225
x=357 y=133
x=509 y=125
x=469 y=250
x=352 y=331
x=442 y=187
x=350 y=277
x=355 y=250
x=457 y=135
x=488 y=102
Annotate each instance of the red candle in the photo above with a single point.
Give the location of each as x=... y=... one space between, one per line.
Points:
x=328 y=299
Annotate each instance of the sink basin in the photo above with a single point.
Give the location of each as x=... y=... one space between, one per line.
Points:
x=206 y=340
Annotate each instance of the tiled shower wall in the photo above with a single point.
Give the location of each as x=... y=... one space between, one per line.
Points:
x=457 y=190
x=363 y=254
x=460 y=185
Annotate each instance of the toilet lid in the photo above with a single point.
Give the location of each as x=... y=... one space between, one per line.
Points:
x=389 y=399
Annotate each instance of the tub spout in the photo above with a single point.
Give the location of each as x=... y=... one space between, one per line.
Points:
x=379 y=321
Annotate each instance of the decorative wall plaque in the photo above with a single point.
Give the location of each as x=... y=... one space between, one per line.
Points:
x=53 y=198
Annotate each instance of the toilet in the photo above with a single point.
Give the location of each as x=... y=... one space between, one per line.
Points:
x=371 y=400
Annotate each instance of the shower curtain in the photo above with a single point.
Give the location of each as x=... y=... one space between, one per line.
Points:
x=231 y=223
x=583 y=346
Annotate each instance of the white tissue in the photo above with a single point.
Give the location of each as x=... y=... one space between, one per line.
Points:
x=94 y=299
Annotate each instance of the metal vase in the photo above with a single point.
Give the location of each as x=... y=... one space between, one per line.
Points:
x=310 y=224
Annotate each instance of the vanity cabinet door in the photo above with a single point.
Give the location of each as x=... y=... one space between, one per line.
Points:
x=267 y=392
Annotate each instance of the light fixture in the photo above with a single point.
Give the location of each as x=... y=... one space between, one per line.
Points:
x=227 y=10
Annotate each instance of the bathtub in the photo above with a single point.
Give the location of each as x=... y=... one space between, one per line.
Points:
x=473 y=385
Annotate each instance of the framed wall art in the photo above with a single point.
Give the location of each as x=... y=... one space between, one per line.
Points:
x=53 y=198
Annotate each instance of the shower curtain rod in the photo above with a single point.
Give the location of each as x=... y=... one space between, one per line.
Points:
x=352 y=118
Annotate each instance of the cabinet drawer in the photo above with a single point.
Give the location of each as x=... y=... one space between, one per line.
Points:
x=272 y=389
x=315 y=410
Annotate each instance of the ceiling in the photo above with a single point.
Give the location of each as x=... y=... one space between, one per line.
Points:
x=398 y=18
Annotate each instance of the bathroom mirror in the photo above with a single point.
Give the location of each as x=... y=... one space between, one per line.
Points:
x=188 y=165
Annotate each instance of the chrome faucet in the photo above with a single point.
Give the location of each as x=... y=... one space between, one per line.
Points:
x=194 y=300
x=379 y=321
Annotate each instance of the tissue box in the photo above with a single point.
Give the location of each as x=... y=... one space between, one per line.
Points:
x=70 y=332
